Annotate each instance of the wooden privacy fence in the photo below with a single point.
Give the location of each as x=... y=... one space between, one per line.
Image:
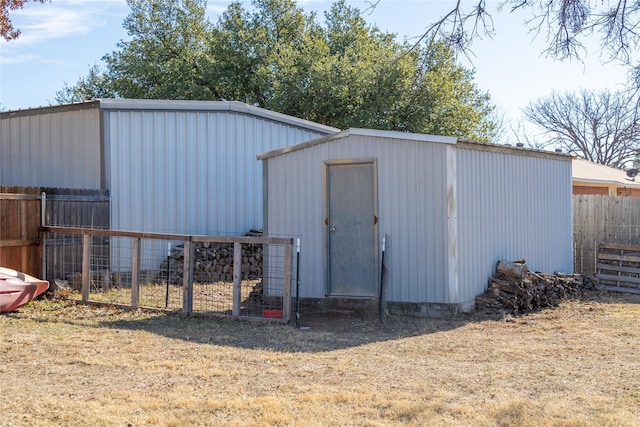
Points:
x=20 y=219
x=619 y=267
x=24 y=209
x=597 y=219
x=241 y=277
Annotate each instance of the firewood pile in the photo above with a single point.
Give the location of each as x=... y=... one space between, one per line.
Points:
x=213 y=262
x=515 y=289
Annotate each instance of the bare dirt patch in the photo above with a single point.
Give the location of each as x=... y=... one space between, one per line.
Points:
x=68 y=364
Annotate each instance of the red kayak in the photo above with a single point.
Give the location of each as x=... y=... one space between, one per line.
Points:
x=17 y=289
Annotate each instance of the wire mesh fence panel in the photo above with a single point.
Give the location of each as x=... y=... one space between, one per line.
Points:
x=159 y=276
x=213 y=278
x=63 y=260
x=231 y=276
x=257 y=294
x=267 y=297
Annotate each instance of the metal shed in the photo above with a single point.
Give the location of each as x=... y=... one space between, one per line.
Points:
x=451 y=209
x=170 y=166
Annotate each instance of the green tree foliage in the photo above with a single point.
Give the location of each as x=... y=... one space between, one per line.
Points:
x=165 y=58
x=167 y=52
x=97 y=84
x=344 y=73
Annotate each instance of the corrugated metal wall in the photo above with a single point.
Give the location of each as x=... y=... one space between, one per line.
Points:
x=53 y=147
x=507 y=204
x=511 y=206
x=411 y=206
x=190 y=171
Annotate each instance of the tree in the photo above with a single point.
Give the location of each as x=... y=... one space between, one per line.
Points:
x=166 y=55
x=7 y=30
x=96 y=84
x=452 y=103
x=566 y=24
x=250 y=51
x=344 y=73
x=602 y=127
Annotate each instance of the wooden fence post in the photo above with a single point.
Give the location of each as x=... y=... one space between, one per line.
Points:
x=286 y=286
x=86 y=270
x=187 y=278
x=135 y=272
x=237 y=278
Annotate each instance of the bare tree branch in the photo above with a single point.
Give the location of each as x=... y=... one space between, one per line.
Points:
x=602 y=127
x=566 y=25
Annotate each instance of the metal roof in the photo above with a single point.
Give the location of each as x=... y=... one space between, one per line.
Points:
x=361 y=132
x=176 y=105
x=232 y=106
x=419 y=137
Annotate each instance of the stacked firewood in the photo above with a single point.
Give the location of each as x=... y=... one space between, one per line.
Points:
x=213 y=262
x=514 y=289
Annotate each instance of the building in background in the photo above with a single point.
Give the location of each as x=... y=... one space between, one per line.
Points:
x=593 y=178
x=170 y=166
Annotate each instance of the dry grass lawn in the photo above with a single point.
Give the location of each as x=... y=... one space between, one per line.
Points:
x=63 y=364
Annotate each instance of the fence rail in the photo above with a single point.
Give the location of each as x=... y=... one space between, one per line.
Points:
x=240 y=277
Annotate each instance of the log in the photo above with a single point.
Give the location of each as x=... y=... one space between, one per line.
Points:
x=513 y=269
x=504 y=285
x=510 y=291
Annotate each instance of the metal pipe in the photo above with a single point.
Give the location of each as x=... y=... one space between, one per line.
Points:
x=43 y=208
x=297 y=283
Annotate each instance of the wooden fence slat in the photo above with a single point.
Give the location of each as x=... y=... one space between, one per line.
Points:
x=19 y=243
x=611 y=219
x=613 y=278
x=610 y=267
x=622 y=258
x=606 y=245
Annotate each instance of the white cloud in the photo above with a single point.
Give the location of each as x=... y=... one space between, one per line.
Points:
x=14 y=59
x=41 y=24
x=45 y=25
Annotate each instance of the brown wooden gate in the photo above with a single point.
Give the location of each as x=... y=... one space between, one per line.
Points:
x=20 y=218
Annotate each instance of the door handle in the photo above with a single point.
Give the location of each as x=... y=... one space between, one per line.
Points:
x=332 y=229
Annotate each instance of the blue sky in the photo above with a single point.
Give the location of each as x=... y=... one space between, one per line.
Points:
x=61 y=39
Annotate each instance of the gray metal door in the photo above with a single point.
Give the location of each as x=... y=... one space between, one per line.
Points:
x=352 y=260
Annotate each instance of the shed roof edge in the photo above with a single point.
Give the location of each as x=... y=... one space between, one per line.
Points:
x=233 y=106
x=49 y=109
x=463 y=144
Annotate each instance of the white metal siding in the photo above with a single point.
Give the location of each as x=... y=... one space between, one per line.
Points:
x=411 y=205
x=190 y=171
x=510 y=207
x=56 y=149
